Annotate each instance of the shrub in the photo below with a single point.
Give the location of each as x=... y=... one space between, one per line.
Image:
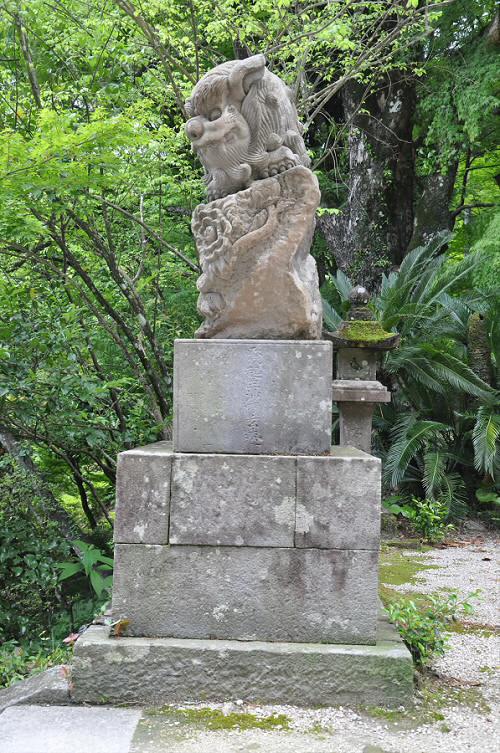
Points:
x=36 y=608
x=438 y=437
x=427 y=516
x=423 y=629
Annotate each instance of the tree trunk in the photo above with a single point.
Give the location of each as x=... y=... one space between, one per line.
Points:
x=375 y=226
x=432 y=210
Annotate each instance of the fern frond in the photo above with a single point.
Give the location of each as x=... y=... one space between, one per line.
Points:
x=456 y=373
x=343 y=284
x=454 y=493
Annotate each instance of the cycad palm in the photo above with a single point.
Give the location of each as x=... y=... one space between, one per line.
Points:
x=443 y=422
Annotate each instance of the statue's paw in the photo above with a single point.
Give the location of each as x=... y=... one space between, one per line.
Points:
x=282 y=166
x=280 y=160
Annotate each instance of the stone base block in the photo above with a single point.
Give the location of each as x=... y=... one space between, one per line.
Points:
x=158 y=671
x=329 y=501
x=252 y=396
x=247 y=593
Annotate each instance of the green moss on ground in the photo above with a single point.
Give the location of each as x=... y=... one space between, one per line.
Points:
x=435 y=696
x=398 y=567
x=320 y=730
x=471 y=628
x=215 y=719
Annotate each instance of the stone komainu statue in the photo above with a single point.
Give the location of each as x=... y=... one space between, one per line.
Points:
x=243 y=125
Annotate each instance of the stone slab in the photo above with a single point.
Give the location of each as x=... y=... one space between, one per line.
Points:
x=233 y=500
x=158 y=671
x=252 y=396
x=245 y=500
x=143 y=494
x=247 y=593
x=351 y=390
x=56 y=729
x=338 y=500
x=50 y=686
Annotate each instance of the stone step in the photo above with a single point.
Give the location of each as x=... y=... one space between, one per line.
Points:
x=159 y=671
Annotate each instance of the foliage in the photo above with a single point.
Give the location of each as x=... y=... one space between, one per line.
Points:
x=458 y=103
x=36 y=611
x=30 y=547
x=423 y=629
x=488 y=497
x=439 y=435
x=428 y=517
x=97 y=184
x=20 y=660
x=94 y=563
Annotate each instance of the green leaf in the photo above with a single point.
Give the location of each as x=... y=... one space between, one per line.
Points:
x=68 y=569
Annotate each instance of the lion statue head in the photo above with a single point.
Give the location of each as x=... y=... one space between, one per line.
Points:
x=243 y=126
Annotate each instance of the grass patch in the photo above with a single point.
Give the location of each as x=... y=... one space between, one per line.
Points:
x=434 y=697
x=215 y=719
x=398 y=567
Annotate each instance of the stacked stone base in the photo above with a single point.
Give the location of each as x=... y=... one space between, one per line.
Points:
x=246 y=558
x=159 y=671
x=247 y=547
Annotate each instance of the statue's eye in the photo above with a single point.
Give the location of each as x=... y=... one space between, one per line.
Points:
x=215 y=114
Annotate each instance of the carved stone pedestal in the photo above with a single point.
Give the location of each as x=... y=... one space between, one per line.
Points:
x=159 y=671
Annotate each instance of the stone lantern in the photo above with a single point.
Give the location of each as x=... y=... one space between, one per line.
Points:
x=359 y=342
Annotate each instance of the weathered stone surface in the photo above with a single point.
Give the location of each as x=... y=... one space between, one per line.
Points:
x=247 y=593
x=233 y=500
x=338 y=500
x=56 y=729
x=247 y=500
x=355 y=422
x=243 y=125
x=253 y=238
x=356 y=363
x=158 y=671
x=258 y=279
x=50 y=686
x=255 y=397
x=143 y=494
